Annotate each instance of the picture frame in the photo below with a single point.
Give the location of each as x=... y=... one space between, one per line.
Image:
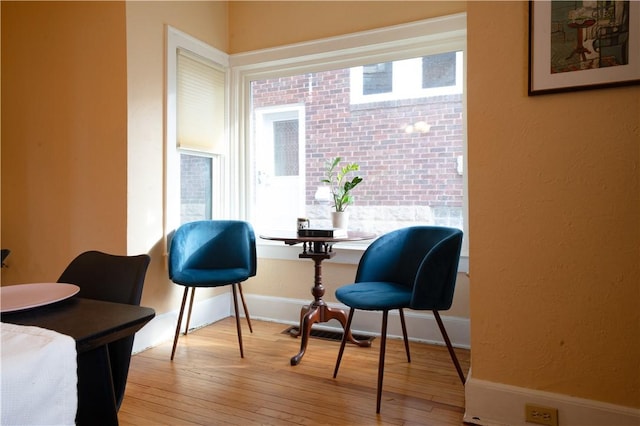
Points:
x=583 y=45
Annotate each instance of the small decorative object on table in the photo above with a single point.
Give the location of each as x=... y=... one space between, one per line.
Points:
x=327 y=232
x=303 y=223
x=341 y=186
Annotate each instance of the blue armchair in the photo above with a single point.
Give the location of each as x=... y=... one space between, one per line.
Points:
x=212 y=253
x=414 y=268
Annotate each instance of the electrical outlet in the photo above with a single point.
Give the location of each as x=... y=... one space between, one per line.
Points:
x=541 y=415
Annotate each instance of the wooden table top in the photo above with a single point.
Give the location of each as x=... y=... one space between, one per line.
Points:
x=91 y=323
x=292 y=237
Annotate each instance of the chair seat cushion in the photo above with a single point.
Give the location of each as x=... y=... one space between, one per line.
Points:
x=210 y=277
x=374 y=296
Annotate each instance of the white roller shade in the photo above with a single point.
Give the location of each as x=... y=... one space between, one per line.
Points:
x=200 y=104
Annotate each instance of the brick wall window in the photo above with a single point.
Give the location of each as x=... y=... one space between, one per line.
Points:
x=196 y=187
x=439 y=70
x=409 y=148
x=377 y=78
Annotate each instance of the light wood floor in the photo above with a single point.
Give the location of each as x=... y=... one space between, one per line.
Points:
x=208 y=383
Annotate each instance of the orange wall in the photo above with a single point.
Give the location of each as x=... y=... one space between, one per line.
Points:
x=555 y=223
x=260 y=24
x=64 y=134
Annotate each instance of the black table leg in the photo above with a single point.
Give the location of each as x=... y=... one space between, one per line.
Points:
x=96 y=400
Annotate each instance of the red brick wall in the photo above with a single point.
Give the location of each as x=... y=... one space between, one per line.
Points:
x=398 y=168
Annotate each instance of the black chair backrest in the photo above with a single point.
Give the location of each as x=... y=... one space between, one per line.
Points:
x=3 y=255
x=110 y=278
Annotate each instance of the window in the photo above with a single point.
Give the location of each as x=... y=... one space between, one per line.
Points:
x=412 y=78
x=377 y=78
x=285 y=148
x=397 y=108
x=197 y=141
x=408 y=152
x=196 y=187
x=439 y=70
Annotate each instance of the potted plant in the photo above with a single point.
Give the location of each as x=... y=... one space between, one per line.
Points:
x=340 y=187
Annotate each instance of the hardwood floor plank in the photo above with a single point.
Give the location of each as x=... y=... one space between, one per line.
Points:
x=208 y=383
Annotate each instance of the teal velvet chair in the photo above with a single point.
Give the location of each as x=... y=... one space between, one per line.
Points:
x=212 y=253
x=415 y=268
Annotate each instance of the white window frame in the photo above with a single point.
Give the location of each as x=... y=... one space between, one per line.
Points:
x=422 y=38
x=176 y=39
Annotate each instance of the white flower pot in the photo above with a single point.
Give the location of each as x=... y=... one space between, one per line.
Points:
x=340 y=220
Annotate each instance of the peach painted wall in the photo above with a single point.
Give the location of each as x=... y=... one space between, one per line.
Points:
x=555 y=223
x=146 y=26
x=64 y=134
x=260 y=24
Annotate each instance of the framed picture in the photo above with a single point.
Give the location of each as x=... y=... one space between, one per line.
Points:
x=578 y=45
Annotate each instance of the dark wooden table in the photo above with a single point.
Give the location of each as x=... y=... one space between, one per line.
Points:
x=318 y=249
x=93 y=324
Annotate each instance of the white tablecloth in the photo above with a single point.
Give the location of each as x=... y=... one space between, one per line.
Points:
x=39 y=376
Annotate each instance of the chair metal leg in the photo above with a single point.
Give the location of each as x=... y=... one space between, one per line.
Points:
x=235 y=305
x=345 y=336
x=454 y=358
x=244 y=306
x=175 y=339
x=383 y=345
x=404 y=334
x=193 y=293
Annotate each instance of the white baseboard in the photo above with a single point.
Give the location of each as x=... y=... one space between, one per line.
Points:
x=162 y=328
x=496 y=404
x=421 y=326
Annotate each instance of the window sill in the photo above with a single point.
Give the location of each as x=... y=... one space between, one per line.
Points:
x=347 y=253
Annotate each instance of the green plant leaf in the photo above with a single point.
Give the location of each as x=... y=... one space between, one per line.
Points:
x=339 y=184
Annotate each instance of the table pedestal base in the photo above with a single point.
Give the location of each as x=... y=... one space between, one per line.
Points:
x=318 y=249
x=320 y=312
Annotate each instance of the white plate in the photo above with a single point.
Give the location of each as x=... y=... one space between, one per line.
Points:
x=26 y=296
